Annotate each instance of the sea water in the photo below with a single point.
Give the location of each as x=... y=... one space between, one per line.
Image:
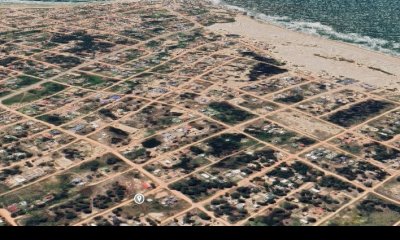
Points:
x=373 y=24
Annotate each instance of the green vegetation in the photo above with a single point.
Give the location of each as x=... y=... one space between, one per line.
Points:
x=279 y=136
x=63 y=61
x=352 y=172
x=44 y=90
x=23 y=81
x=151 y=143
x=221 y=207
x=262 y=69
x=248 y=162
x=228 y=143
x=189 y=164
x=273 y=218
x=86 y=80
x=291 y=99
x=17 y=83
x=227 y=113
x=371 y=211
x=53 y=119
x=198 y=189
x=7 y=61
x=337 y=184
x=359 y=112
x=264 y=59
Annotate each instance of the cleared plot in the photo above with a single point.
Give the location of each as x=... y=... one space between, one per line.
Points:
x=369 y=211
x=391 y=189
x=305 y=124
x=390 y=93
x=198 y=86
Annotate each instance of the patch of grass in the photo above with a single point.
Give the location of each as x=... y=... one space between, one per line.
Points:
x=44 y=90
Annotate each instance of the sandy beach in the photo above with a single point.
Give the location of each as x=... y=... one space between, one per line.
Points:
x=319 y=55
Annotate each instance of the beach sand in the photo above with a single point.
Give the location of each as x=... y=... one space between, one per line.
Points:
x=319 y=55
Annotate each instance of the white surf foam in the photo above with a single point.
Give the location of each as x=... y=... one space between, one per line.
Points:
x=319 y=29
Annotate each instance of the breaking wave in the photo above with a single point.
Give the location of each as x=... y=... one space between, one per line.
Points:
x=319 y=29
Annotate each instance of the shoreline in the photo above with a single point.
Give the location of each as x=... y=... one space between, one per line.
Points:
x=306 y=52
x=325 y=38
x=258 y=16
x=318 y=54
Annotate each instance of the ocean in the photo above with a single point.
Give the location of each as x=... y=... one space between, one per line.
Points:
x=372 y=24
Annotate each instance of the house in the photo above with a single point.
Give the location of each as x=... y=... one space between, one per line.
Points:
x=13 y=208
